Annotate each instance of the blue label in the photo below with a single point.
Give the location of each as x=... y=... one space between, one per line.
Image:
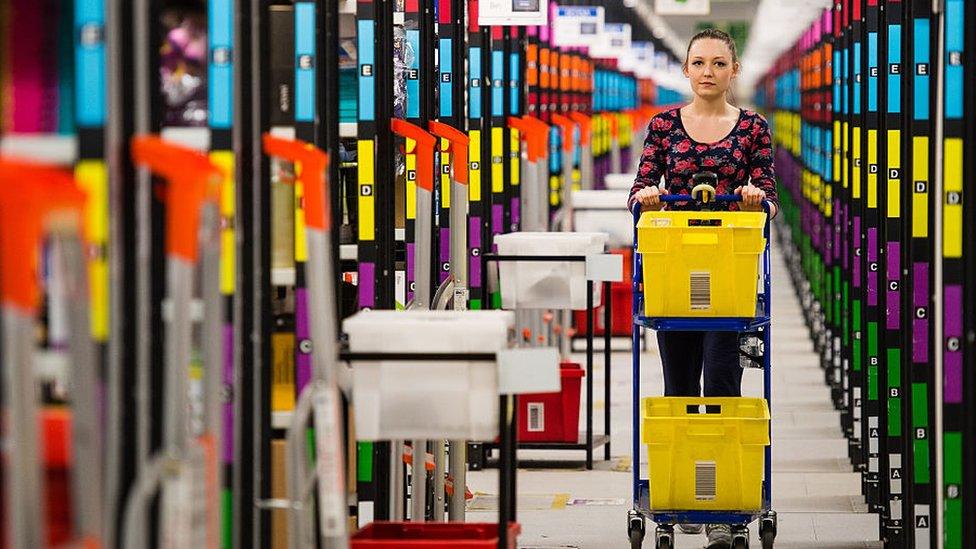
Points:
x=497 y=83
x=221 y=69
x=837 y=95
x=413 y=79
x=515 y=69
x=367 y=58
x=90 y=84
x=857 y=78
x=954 y=43
x=922 y=65
x=894 y=60
x=305 y=62
x=475 y=83
x=446 y=75
x=872 y=72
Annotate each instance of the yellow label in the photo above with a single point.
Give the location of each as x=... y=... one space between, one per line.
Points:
x=366 y=171
x=282 y=372
x=92 y=177
x=411 y=198
x=872 y=168
x=845 y=177
x=497 y=160
x=577 y=179
x=301 y=243
x=554 y=190
x=952 y=212
x=228 y=252
x=837 y=164
x=516 y=158
x=445 y=173
x=894 y=169
x=920 y=187
x=856 y=173
x=474 y=162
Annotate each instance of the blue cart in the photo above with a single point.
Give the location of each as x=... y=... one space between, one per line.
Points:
x=758 y=327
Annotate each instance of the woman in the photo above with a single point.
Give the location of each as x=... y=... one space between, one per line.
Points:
x=709 y=134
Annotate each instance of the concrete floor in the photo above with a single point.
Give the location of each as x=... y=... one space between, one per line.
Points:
x=815 y=493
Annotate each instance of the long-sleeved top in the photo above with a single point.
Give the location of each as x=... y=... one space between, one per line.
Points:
x=745 y=154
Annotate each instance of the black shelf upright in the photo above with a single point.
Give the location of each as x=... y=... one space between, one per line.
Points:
x=952 y=290
x=895 y=458
x=920 y=380
x=858 y=447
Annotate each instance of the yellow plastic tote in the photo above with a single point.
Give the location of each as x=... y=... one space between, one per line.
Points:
x=705 y=454
x=701 y=264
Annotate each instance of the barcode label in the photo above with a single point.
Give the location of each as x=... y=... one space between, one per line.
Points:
x=705 y=480
x=537 y=417
x=701 y=290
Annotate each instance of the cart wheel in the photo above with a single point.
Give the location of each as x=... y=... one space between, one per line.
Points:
x=664 y=537
x=636 y=539
x=740 y=538
x=767 y=539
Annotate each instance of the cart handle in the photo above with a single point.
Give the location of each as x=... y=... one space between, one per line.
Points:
x=191 y=180
x=32 y=196
x=425 y=150
x=567 y=125
x=535 y=132
x=458 y=148
x=585 y=124
x=314 y=162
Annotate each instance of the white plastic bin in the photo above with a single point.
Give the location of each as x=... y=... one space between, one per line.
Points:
x=604 y=212
x=619 y=181
x=547 y=285
x=395 y=400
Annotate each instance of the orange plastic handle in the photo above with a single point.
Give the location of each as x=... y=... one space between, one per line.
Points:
x=536 y=135
x=614 y=125
x=459 y=148
x=314 y=162
x=585 y=124
x=425 y=150
x=567 y=125
x=191 y=180
x=29 y=193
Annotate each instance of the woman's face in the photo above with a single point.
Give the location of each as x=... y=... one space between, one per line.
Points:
x=710 y=68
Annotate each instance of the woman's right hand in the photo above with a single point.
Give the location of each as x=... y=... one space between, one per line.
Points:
x=650 y=198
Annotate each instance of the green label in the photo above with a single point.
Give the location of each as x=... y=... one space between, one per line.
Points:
x=953 y=497
x=364 y=465
x=872 y=383
x=475 y=304
x=921 y=452
x=920 y=405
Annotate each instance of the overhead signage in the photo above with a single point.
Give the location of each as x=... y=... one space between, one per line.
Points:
x=682 y=7
x=517 y=13
x=576 y=26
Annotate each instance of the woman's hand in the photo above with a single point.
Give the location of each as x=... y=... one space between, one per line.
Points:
x=650 y=198
x=752 y=197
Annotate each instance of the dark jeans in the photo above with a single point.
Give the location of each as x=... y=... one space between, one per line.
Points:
x=684 y=354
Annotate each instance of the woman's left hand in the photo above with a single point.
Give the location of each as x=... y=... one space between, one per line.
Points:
x=752 y=197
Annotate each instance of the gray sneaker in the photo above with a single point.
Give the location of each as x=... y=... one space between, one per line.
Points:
x=691 y=528
x=719 y=536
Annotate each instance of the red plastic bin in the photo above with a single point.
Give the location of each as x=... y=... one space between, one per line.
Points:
x=553 y=417
x=621 y=296
x=432 y=535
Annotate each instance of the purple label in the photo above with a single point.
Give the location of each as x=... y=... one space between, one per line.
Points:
x=920 y=299
x=411 y=265
x=857 y=258
x=497 y=219
x=953 y=333
x=228 y=406
x=839 y=223
x=516 y=214
x=872 y=270
x=367 y=285
x=445 y=253
x=894 y=295
x=303 y=355
x=474 y=243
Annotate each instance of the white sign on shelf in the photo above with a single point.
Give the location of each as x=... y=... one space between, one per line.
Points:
x=518 y=13
x=578 y=26
x=682 y=7
x=615 y=42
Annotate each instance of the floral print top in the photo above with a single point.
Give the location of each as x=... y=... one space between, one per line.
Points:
x=746 y=153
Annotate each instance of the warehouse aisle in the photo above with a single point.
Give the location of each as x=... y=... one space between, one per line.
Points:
x=815 y=492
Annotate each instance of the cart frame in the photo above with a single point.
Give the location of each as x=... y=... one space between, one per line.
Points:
x=759 y=326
